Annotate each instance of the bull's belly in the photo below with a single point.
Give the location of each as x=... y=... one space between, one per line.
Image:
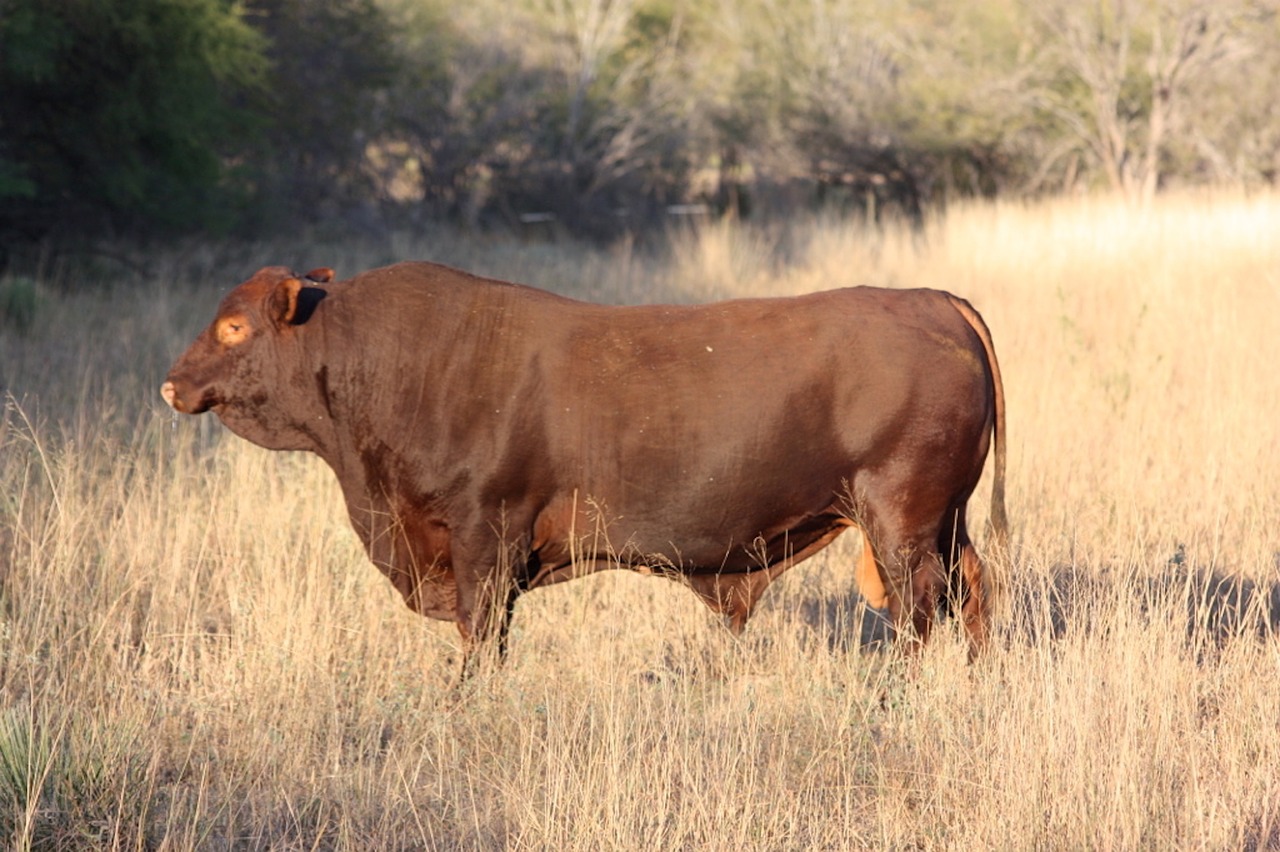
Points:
x=690 y=550
x=745 y=550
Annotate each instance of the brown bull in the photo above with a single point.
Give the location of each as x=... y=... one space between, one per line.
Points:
x=491 y=438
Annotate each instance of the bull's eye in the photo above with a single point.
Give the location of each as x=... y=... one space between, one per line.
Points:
x=232 y=330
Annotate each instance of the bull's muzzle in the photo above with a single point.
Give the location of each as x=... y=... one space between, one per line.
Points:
x=170 y=395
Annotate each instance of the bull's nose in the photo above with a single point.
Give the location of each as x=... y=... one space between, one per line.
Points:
x=167 y=391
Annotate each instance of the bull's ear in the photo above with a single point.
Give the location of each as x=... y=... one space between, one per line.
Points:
x=283 y=303
x=320 y=275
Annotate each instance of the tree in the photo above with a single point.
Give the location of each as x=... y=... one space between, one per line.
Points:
x=879 y=106
x=1117 y=73
x=1230 y=130
x=331 y=64
x=620 y=94
x=118 y=115
x=572 y=107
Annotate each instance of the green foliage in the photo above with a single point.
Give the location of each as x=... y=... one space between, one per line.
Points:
x=26 y=756
x=14 y=182
x=118 y=114
x=74 y=785
x=19 y=300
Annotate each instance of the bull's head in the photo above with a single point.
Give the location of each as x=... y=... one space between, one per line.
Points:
x=243 y=362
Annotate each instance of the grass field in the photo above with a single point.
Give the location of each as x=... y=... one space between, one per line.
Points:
x=195 y=653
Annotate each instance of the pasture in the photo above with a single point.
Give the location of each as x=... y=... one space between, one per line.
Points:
x=196 y=654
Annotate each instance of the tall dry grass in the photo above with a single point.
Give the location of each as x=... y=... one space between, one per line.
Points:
x=194 y=652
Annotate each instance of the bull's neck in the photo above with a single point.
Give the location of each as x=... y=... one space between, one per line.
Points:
x=411 y=374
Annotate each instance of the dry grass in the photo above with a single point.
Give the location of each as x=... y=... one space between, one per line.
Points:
x=194 y=652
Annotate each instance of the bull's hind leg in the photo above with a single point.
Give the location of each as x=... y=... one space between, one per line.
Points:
x=905 y=537
x=913 y=578
x=923 y=566
x=976 y=611
x=969 y=588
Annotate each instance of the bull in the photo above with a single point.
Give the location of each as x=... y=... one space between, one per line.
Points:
x=491 y=438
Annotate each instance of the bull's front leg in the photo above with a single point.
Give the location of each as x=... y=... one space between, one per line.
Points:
x=484 y=620
x=487 y=571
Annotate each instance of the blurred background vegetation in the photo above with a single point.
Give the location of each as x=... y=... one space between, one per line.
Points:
x=147 y=119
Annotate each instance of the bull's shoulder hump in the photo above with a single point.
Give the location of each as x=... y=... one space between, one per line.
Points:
x=441 y=280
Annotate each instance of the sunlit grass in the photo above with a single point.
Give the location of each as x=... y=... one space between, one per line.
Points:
x=194 y=652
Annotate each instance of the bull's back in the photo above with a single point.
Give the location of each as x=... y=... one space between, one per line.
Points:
x=828 y=370
x=684 y=390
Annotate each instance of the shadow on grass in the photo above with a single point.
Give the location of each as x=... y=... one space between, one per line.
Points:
x=1217 y=607
x=846 y=623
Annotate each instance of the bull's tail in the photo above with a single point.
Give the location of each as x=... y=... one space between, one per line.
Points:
x=999 y=517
